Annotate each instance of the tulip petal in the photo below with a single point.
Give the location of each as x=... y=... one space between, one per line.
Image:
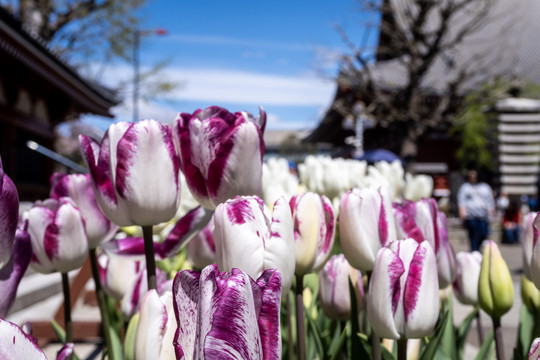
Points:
x=385 y=292
x=185 y=229
x=270 y=331
x=9 y=214
x=12 y=273
x=147 y=173
x=155 y=327
x=186 y=291
x=534 y=352
x=16 y=345
x=66 y=352
x=279 y=250
x=229 y=327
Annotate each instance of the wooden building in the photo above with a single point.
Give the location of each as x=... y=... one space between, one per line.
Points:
x=37 y=92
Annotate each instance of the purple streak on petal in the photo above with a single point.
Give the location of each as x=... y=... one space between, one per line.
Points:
x=51 y=241
x=66 y=352
x=130 y=246
x=270 y=304
x=260 y=121
x=433 y=210
x=59 y=185
x=383 y=223
x=230 y=333
x=414 y=281
x=329 y=225
x=239 y=210
x=216 y=112
x=167 y=138
x=186 y=293
x=12 y=273
x=217 y=167
x=125 y=152
x=100 y=170
x=406 y=213
x=134 y=300
x=184 y=230
x=395 y=271
x=194 y=176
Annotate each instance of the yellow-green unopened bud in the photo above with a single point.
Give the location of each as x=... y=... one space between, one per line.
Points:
x=495 y=288
x=530 y=295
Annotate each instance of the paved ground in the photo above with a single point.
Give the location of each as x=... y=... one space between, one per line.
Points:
x=511 y=253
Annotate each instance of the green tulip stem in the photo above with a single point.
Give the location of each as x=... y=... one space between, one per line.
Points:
x=300 y=321
x=402 y=349
x=67 y=309
x=499 y=346
x=479 y=328
x=100 y=295
x=290 y=348
x=150 y=259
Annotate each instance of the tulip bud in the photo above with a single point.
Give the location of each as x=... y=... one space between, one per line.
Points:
x=467 y=275
x=16 y=345
x=251 y=238
x=365 y=225
x=334 y=292
x=314 y=228
x=446 y=258
x=495 y=288
x=418 y=220
x=56 y=230
x=530 y=295
x=221 y=153
x=135 y=172
x=403 y=292
x=9 y=215
x=417 y=187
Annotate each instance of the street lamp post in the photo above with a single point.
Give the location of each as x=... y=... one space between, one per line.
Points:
x=136 y=73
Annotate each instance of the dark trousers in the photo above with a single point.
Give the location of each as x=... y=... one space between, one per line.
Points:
x=478 y=230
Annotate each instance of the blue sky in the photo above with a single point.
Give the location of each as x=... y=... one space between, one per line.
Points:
x=280 y=55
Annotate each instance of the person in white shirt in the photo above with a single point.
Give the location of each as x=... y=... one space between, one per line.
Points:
x=476 y=206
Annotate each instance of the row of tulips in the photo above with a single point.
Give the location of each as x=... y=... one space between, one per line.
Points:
x=254 y=253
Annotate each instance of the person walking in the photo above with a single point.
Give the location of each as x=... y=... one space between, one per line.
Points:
x=476 y=206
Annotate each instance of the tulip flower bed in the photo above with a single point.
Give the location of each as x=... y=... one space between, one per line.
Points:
x=199 y=250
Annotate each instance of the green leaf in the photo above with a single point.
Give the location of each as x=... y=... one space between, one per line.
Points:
x=431 y=348
x=463 y=331
x=337 y=344
x=448 y=339
x=129 y=340
x=317 y=336
x=59 y=330
x=486 y=347
x=358 y=350
x=116 y=344
x=524 y=338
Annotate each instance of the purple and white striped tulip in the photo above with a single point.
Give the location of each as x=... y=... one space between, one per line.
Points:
x=202 y=249
x=227 y=315
x=534 y=352
x=16 y=345
x=403 y=299
x=250 y=237
x=529 y=238
x=156 y=327
x=78 y=187
x=9 y=215
x=135 y=172
x=66 y=352
x=334 y=292
x=314 y=230
x=365 y=225
x=446 y=257
x=221 y=153
x=56 y=229
x=12 y=273
x=467 y=274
